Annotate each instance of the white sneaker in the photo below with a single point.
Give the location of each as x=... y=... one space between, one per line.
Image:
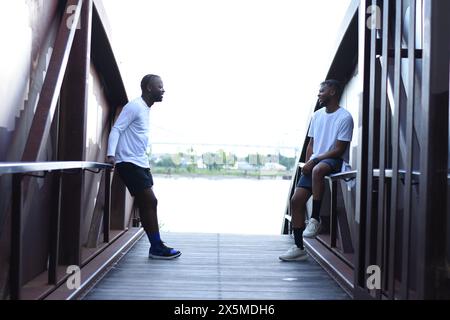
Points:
x=312 y=229
x=294 y=254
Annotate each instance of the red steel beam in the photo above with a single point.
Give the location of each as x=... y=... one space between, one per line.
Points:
x=45 y=110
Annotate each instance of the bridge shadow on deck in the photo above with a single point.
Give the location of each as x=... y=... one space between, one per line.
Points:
x=215 y=267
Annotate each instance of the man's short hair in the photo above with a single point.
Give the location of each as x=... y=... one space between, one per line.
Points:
x=148 y=79
x=336 y=85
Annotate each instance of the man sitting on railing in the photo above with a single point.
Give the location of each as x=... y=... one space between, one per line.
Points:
x=330 y=134
x=127 y=147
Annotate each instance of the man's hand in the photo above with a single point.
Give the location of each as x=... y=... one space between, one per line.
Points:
x=308 y=167
x=111 y=160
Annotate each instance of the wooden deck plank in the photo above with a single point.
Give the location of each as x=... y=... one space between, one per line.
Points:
x=214 y=267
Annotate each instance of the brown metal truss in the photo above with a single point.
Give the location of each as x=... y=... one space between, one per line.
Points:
x=62 y=105
x=401 y=209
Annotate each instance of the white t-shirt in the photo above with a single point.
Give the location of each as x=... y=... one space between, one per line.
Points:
x=326 y=128
x=129 y=138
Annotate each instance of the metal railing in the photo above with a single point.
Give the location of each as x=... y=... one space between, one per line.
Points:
x=20 y=170
x=336 y=218
x=401 y=206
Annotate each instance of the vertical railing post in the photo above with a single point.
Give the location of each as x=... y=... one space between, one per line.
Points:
x=432 y=267
x=395 y=147
x=16 y=238
x=361 y=179
x=370 y=226
x=54 y=230
x=407 y=215
x=333 y=222
x=107 y=207
x=381 y=225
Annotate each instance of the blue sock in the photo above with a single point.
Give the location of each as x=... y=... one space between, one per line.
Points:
x=155 y=241
x=154 y=238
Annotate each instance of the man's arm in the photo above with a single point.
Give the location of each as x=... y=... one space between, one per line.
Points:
x=113 y=140
x=309 y=151
x=337 y=152
x=125 y=118
x=112 y=146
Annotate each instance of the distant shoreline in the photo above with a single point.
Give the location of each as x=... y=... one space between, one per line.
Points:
x=221 y=176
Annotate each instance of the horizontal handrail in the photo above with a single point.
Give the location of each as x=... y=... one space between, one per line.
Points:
x=402 y=173
x=19 y=170
x=347 y=175
x=388 y=173
x=26 y=167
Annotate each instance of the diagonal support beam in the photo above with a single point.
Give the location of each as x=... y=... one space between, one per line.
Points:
x=73 y=104
x=40 y=127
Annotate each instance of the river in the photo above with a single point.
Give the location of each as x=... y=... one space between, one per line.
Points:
x=221 y=205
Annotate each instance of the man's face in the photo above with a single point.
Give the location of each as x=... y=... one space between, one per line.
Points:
x=156 y=89
x=325 y=94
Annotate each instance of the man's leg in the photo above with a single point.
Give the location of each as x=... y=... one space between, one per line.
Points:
x=298 y=212
x=318 y=187
x=148 y=205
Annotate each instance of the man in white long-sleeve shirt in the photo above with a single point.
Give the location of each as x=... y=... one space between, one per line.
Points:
x=127 y=147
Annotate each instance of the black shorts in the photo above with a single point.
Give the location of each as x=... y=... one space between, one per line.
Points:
x=136 y=178
x=305 y=181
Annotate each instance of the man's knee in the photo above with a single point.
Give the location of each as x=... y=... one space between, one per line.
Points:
x=153 y=202
x=293 y=201
x=319 y=172
x=147 y=198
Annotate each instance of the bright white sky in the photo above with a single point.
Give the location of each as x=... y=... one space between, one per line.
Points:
x=240 y=72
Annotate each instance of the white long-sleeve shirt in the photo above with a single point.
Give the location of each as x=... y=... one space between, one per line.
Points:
x=129 y=137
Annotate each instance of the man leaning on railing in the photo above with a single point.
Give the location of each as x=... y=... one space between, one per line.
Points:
x=127 y=146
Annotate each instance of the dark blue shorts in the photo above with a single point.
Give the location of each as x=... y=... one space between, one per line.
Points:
x=136 y=178
x=305 y=181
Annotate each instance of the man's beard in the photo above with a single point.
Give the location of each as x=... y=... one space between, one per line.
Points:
x=324 y=103
x=157 y=96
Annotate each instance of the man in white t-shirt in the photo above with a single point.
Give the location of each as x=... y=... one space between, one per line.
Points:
x=330 y=134
x=127 y=151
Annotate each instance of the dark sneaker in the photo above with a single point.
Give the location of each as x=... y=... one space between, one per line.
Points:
x=162 y=252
